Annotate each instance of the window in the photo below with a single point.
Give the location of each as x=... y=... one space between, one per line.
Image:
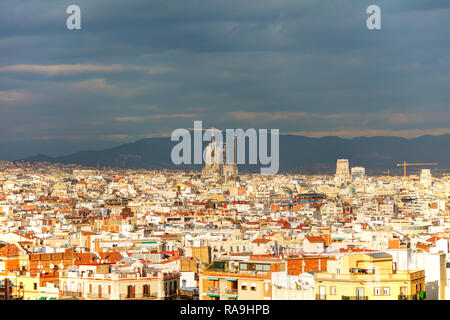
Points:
x=35 y=286
x=243 y=266
x=130 y=291
x=253 y=287
x=244 y=286
x=109 y=289
x=359 y=293
x=145 y=290
x=338 y=271
x=321 y=293
x=333 y=290
x=90 y=288
x=214 y=283
x=386 y=291
x=377 y=291
x=262 y=267
x=404 y=291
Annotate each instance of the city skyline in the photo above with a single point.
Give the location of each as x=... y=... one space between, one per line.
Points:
x=254 y=154
x=75 y=233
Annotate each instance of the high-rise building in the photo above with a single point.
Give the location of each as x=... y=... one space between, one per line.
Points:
x=426 y=178
x=342 y=170
x=358 y=173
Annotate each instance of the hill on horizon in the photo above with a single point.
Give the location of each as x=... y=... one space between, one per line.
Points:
x=298 y=154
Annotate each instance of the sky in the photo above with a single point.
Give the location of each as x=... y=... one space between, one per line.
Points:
x=140 y=69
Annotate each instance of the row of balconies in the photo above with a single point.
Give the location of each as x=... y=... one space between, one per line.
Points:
x=96 y=295
x=324 y=297
x=359 y=276
x=227 y=290
x=400 y=297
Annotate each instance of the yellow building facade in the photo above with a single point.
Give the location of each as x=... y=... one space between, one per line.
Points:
x=368 y=276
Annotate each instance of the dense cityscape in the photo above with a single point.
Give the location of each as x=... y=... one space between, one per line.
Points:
x=72 y=232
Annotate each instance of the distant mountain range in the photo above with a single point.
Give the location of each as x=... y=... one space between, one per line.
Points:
x=297 y=154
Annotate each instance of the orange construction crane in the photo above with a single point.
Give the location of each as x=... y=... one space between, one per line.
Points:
x=404 y=164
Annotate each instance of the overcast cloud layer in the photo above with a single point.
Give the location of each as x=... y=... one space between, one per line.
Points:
x=143 y=68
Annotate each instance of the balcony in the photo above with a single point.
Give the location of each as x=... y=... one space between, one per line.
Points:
x=213 y=289
x=151 y=296
x=355 y=298
x=70 y=294
x=96 y=296
x=361 y=271
x=231 y=291
x=406 y=297
x=399 y=275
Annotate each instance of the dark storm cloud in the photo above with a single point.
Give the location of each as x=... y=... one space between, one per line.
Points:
x=143 y=68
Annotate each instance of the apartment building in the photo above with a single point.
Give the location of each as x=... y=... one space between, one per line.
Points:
x=240 y=280
x=97 y=282
x=368 y=276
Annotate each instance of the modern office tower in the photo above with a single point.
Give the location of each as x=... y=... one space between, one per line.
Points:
x=426 y=178
x=342 y=170
x=358 y=173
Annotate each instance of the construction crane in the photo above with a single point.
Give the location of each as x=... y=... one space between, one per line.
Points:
x=404 y=164
x=388 y=172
